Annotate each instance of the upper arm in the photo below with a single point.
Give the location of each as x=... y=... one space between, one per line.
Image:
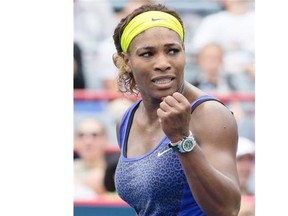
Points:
x=215 y=130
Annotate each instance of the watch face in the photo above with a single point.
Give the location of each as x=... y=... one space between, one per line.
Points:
x=187 y=145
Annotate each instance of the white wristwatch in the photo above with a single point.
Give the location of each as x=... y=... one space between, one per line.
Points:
x=184 y=145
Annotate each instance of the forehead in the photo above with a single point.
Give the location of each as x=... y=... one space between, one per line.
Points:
x=155 y=36
x=87 y=125
x=211 y=49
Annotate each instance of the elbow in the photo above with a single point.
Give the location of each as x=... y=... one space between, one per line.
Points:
x=231 y=211
x=237 y=205
x=234 y=207
x=234 y=211
x=229 y=208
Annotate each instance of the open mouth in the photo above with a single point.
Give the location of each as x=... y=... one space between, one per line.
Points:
x=161 y=81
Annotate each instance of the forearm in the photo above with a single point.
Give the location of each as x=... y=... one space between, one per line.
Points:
x=214 y=192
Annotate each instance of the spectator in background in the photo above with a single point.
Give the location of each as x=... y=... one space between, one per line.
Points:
x=245 y=167
x=93 y=22
x=79 y=79
x=211 y=76
x=90 y=143
x=212 y=79
x=233 y=29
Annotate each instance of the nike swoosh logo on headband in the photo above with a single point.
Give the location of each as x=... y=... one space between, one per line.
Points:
x=156 y=19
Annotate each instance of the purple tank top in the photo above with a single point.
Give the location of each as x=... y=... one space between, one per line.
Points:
x=154 y=184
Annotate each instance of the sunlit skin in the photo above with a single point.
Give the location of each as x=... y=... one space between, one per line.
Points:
x=156 y=58
x=155 y=54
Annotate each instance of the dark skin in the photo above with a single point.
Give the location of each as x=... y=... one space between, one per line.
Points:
x=156 y=57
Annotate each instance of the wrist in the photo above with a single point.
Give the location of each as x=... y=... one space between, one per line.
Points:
x=185 y=145
x=179 y=141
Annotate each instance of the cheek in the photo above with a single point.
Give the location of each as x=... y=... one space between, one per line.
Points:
x=140 y=70
x=180 y=66
x=183 y=63
x=180 y=61
x=140 y=76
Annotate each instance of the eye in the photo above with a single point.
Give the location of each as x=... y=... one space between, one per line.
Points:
x=80 y=134
x=95 y=135
x=146 y=54
x=173 y=51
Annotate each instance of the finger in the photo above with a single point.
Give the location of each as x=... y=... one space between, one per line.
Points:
x=171 y=101
x=179 y=97
x=165 y=106
x=161 y=114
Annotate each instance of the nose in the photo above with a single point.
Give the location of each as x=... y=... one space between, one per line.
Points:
x=162 y=63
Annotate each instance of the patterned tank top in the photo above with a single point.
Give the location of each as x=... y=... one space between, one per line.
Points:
x=154 y=184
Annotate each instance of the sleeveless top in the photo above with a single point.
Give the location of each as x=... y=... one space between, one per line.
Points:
x=154 y=184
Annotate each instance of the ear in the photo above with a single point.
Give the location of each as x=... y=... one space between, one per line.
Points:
x=127 y=65
x=114 y=58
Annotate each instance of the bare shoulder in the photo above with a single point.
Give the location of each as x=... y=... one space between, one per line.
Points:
x=215 y=130
x=213 y=122
x=215 y=109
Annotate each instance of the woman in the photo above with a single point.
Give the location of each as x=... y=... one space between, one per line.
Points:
x=178 y=145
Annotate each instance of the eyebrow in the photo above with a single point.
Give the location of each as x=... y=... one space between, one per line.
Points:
x=153 y=47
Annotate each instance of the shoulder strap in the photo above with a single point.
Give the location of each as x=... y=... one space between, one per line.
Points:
x=202 y=99
x=125 y=123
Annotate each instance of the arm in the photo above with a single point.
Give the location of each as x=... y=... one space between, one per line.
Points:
x=210 y=167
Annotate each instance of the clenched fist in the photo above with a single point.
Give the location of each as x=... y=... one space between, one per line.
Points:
x=174 y=115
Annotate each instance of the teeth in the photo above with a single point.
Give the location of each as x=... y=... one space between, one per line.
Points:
x=162 y=81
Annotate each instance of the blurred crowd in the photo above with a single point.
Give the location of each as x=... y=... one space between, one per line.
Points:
x=219 y=42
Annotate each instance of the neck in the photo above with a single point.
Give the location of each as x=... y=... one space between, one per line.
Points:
x=213 y=78
x=95 y=162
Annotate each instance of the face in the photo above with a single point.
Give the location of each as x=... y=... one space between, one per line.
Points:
x=90 y=140
x=156 y=58
x=210 y=60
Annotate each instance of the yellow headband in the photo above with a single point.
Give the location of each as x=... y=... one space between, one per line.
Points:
x=148 y=20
